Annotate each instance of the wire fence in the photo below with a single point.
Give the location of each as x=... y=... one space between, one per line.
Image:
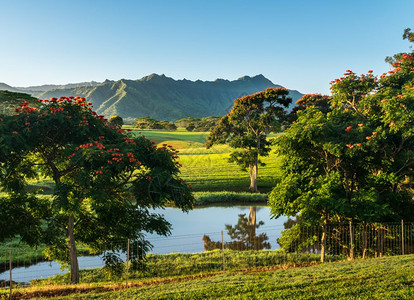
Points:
x=245 y=247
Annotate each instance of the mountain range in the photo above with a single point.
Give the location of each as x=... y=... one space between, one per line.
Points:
x=157 y=96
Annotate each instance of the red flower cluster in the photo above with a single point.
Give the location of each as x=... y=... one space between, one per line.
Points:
x=348 y=72
x=84 y=146
x=406 y=56
x=83 y=123
x=55 y=110
x=348 y=128
x=127 y=140
x=99 y=146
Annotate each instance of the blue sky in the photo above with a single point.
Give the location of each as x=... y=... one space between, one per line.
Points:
x=301 y=45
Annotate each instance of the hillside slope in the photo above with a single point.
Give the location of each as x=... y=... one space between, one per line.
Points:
x=10 y=100
x=164 y=98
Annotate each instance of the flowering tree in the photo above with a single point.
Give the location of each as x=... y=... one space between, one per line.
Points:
x=319 y=101
x=247 y=125
x=105 y=182
x=355 y=161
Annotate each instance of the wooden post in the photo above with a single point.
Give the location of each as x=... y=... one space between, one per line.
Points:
x=402 y=237
x=11 y=278
x=127 y=263
x=222 y=247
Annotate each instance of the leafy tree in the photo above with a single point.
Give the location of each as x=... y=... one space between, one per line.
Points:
x=145 y=123
x=185 y=122
x=247 y=125
x=408 y=35
x=105 y=182
x=166 y=125
x=190 y=127
x=149 y=123
x=317 y=100
x=116 y=121
x=206 y=124
x=355 y=161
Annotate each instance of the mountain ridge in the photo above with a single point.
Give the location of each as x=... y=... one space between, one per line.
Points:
x=161 y=97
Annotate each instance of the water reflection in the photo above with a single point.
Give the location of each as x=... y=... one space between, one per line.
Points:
x=186 y=236
x=243 y=235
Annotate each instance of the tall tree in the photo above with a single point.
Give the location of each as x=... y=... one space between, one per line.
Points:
x=247 y=125
x=105 y=182
x=354 y=162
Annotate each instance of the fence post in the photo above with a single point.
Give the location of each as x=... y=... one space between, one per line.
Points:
x=222 y=247
x=127 y=263
x=11 y=279
x=402 y=237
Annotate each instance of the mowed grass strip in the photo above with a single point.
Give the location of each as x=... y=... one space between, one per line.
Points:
x=165 y=135
x=380 y=278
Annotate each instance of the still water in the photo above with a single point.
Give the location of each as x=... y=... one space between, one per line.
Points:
x=186 y=236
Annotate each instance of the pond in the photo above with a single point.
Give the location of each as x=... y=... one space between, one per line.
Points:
x=187 y=234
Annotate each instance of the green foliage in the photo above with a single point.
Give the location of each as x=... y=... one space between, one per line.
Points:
x=104 y=181
x=354 y=160
x=317 y=100
x=205 y=198
x=206 y=124
x=408 y=35
x=116 y=121
x=149 y=123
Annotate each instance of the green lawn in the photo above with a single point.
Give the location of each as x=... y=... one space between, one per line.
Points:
x=209 y=169
x=380 y=278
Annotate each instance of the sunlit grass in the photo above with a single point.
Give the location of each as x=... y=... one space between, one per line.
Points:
x=379 y=278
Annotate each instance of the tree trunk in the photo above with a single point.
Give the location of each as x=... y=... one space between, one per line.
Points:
x=323 y=241
x=351 y=241
x=253 y=178
x=74 y=266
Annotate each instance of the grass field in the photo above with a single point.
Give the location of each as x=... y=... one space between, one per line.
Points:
x=380 y=278
x=209 y=169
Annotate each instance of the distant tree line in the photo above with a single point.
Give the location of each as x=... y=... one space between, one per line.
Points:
x=194 y=124
x=190 y=124
x=149 y=123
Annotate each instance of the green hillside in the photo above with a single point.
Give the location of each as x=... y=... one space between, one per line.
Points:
x=164 y=98
x=9 y=100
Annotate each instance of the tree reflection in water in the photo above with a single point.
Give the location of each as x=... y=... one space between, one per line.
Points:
x=243 y=235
